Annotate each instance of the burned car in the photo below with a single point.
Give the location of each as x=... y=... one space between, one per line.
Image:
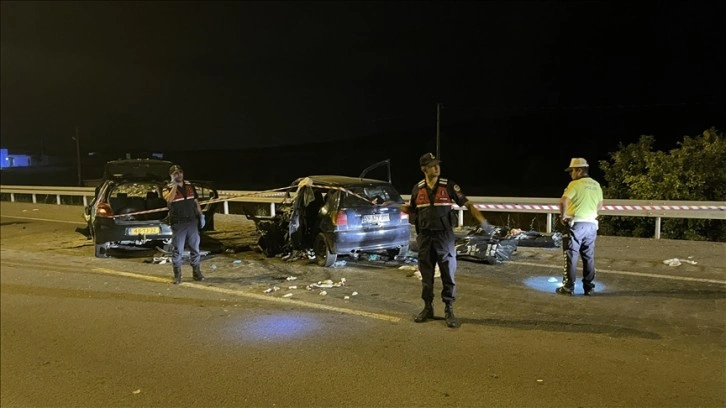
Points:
x=128 y=209
x=334 y=215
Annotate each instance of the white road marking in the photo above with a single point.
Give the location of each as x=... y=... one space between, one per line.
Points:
x=44 y=219
x=640 y=274
x=254 y=295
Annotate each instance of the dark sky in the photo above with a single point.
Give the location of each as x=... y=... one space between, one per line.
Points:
x=235 y=75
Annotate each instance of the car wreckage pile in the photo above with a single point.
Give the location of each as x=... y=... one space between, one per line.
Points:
x=288 y=233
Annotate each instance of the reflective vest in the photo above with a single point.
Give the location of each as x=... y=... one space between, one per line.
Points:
x=433 y=208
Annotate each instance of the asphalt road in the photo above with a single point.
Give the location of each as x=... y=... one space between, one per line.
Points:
x=77 y=331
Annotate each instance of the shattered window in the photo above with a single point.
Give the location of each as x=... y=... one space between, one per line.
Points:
x=134 y=190
x=379 y=194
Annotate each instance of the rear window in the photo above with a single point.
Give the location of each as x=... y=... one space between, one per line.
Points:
x=380 y=193
x=136 y=190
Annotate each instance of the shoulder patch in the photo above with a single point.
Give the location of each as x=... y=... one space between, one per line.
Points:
x=457 y=188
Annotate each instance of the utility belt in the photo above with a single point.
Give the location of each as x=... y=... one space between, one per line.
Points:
x=182 y=220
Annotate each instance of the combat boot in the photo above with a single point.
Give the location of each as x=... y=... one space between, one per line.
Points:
x=197 y=273
x=177 y=275
x=426 y=313
x=451 y=319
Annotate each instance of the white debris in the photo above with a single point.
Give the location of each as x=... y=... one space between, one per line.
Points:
x=291 y=278
x=323 y=293
x=136 y=392
x=272 y=289
x=677 y=262
x=418 y=275
x=346 y=297
x=237 y=261
x=287 y=295
x=354 y=294
x=213 y=267
x=292 y=287
x=552 y=280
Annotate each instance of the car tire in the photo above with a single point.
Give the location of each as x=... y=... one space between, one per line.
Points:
x=323 y=256
x=402 y=251
x=101 y=249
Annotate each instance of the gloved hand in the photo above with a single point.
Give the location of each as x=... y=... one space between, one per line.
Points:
x=173 y=179
x=486 y=227
x=202 y=221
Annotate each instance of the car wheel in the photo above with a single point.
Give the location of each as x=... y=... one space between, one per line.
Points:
x=398 y=251
x=101 y=249
x=323 y=256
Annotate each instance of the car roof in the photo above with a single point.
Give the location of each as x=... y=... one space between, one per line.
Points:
x=137 y=169
x=333 y=180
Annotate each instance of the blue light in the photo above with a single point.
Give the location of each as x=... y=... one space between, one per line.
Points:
x=272 y=328
x=548 y=284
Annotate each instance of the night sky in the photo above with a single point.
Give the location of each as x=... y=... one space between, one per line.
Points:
x=237 y=75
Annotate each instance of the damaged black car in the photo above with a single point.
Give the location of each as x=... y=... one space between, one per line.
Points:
x=333 y=215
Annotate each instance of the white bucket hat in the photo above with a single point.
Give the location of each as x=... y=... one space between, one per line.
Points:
x=577 y=162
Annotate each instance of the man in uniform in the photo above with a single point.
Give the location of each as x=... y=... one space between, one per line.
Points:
x=579 y=207
x=186 y=220
x=431 y=205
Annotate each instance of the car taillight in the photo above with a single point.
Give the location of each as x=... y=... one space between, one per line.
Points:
x=104 y=210
x=340 y=218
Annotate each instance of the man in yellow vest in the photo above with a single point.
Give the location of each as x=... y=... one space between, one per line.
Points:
x=579 y=207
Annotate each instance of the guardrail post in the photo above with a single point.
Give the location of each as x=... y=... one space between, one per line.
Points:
x=272 y=209
x=657 y=227
x=85 y=201
x=58 y=199
x=12 y=197
x=549 y=223
x=226 y=207
x=34 y=201
x=461 y=217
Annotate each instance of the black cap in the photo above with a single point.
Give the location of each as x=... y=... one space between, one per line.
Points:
x=428 y=160
x=173 y=169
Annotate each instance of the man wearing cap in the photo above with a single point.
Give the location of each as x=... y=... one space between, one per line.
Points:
x=431 y=205
x=579 y=208
x=186 y=220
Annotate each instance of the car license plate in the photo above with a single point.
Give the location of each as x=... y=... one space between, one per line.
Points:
x=375 y=218
x=144 y=230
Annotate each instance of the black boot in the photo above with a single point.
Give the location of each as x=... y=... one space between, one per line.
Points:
x=451 y=319
x=177 y=275
x=426 y=313
x=197 y=273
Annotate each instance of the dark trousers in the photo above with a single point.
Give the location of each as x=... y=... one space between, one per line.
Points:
x=437 y=247
x=185 y=233
x=581 y=242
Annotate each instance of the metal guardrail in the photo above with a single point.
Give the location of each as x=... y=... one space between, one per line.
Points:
x=657 y=209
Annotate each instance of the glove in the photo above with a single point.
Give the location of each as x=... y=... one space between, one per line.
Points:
x=486 y=227
x=173 y=180
x=202 y=221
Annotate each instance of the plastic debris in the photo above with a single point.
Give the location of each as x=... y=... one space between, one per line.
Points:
x=287 y=295
x=272 y=289
x=291 y=278
x=136 y=392
x=677 y=262
x=346 y=297
x=237 y=261
x=292 y=287
x=552 y=280
x=339 y=264
x=354 y=294
x=213 y=267
x=327 y=284
x=323 y=293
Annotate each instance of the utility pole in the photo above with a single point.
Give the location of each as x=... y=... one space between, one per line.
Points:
x=439 y=105
x=78 y=156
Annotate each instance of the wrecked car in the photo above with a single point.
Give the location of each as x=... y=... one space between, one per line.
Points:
x=334 y=215
x=133 y=186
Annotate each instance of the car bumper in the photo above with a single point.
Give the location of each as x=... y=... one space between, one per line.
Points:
x=121 y=234
x=346 y=242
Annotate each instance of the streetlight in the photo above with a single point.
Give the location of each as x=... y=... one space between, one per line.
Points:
x=78 y=155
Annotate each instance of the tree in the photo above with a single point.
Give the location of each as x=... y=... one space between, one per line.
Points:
x=694 y=171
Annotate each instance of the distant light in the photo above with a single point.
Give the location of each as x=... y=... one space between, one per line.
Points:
x=273 y=328
x=548 y=284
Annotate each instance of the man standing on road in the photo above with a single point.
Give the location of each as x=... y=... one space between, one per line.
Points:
x=579 y=207
x=186 y=220
x=431 y=209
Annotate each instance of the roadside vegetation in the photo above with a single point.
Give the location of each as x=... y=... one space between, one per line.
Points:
x=693 y=171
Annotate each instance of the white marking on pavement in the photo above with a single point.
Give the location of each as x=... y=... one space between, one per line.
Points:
x=254 y=295
x=640 y=274
x=43 y=219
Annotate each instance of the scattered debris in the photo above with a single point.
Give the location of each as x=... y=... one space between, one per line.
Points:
x=287 y=295
x=323 y=293
x=678 y=262
x=291 y=278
